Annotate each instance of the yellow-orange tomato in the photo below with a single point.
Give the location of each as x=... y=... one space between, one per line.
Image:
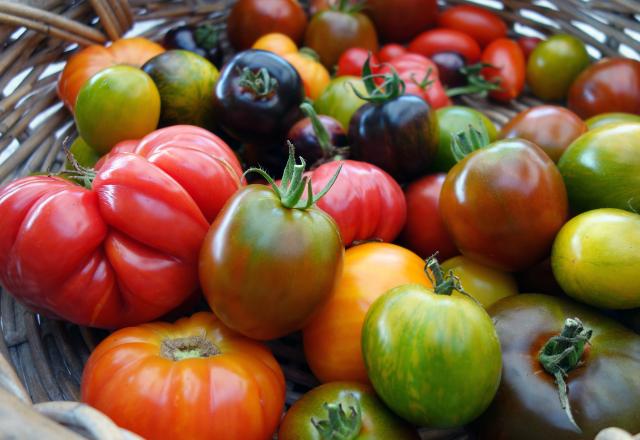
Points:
x=315 y=76
x=280 y=44
x=332 y=338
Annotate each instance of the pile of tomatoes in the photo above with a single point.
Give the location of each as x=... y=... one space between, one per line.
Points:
x=524 y=328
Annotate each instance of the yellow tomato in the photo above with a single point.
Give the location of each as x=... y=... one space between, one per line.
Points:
x=279 y=44
x=315 y=76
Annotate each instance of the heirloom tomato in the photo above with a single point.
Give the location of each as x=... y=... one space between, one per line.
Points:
x=601 y=168
x=432 y=355
x=596 y=258
x=352 y=60
x=270 y=258
x=480 y=23
x=90 y=60
x=343 y=410
x=194 y=379
x=126 y=250
x=339 y=99
x=401 y=20
x=424 y=232
x=389 y=52
x=436 y=41
x=332 y=338
x=203 y=40
x=275 y=42
x=603 y=387
x=610 y=118
x=528 y=44
x=506 y=65
x=503 y=204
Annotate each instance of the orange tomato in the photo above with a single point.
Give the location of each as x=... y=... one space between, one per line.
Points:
x=332 y=338
x=89 y=61
x=280 y=44
x=195 y=379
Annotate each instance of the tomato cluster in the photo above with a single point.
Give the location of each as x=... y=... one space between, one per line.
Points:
x=168 y=197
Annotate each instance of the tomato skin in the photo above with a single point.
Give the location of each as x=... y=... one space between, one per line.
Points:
x=237 y=393
x=339 y=101
x=275 y=42
x=256 y=244
x=433 y=359
x=480 y=23
x=528 y=44
x=527 y=406
x=550 y=127
x=332 y=344
x=400 y=20
x=509 y=68
x=424 y=232
x=315 y=77
x=366 y=202
x=516 y=182
x=378 y=423
x=596 y=163
x=390 y=51
x=446 y=40
x=610 y=118
x=304 y=137
x=610 y=85
x=352 y=60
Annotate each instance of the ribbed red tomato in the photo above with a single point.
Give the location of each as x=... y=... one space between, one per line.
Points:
x=480 y=23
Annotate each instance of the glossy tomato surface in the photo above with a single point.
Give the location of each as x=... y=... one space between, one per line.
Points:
x=480 y=23
x=339 y=100
x=508 y=68
x=436 y=41
x=400 y=20
x=194 y=379
x=352 y=60
x=610 y=118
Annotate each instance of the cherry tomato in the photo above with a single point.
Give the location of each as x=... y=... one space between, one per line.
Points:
x=390 y=51
x=480 y=23
x=508 y=67
x=352 y=60
x=401 y=20
x=528 y=44
x=446 y=40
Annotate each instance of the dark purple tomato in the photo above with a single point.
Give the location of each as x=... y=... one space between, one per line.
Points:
x=307 y=144
x=449 y=65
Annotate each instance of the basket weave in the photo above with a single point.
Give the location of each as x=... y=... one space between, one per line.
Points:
x=42 y=359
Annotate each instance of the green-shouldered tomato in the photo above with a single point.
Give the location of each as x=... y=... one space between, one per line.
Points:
x=610 y=118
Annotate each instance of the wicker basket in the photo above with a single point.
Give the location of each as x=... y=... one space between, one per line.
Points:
x=37 y=36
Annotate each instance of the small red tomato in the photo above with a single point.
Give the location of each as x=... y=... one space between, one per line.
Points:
x=509 y=67
x=424 y=231
x=527 y=44
x=481 y=24
x=401 y=20
x=352 y=60
x=390 y=51
x=446 y=40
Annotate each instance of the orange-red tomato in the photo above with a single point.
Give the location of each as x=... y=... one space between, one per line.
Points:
x=89 y=61
x=508 y=67
x=275 y=42
x=332 y=338
x=195 y=379
x=480 y=23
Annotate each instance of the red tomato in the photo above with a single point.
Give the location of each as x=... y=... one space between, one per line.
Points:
x=401 y=20
x=365 y=201
x=509 y=68
x=126 y=250
x=446 y=40
x=352 y=60
x=390 y=51
x=424 y=232
x=481 y=24
x=527 y=44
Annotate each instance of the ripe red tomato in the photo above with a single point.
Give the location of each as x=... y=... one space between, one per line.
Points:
x=352 y=60
x=195 y=379
x=424 y=232
x=509 y=68
x=480 y=23
x=401 y=20
x=390 y=51
x=527 y=44
x=446 y=40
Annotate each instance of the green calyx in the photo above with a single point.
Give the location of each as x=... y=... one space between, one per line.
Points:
x=391 y=87
x=561 y=354
x=260 y=83
x=348 y=7
x=329 y=151
x=206 y=36
x=82 y=175
x=464 y=143
x=339 y=424
x=476 y=84
x=309 y=53
x=293 y=184
x=444 y=284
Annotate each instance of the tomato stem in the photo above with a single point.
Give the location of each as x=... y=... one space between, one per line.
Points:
x=561 y=354
x=206 y=36
x=339 y=425
x=476 y=83
x=444 y=284
x=80 y=174
x=190 y=347
x=391 y=88
x=348 y=7
x=329 y=151
x=260 y=83
x=464 y=143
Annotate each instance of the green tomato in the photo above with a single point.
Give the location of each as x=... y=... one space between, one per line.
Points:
x=339 y=100
x=610 y=118
x=451 y=121
x=116 y=104
x=83 y=154
x=554 y=64
x=434 y=359
x=596 y=258
x=185 y=81
x=601 y=169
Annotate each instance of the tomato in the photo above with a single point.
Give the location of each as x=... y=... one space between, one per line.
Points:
x=480 y=23
x=610 y=118
x=339 y=100
x=352 y=60
x=116 y=104
x=596 y=258
x=424 y=232
x=528 y=44
x=259 y=260
x=275 y=42
x=504 y=204
x=554 y=64
x=528 y=406
x=401 y=20
x=550 y=127
x=124 y=251
x=610 y=85
x=202 y=39
x=507 y=60
x=185 y=81
x=601 y=168
x=390 y=51
x=90 y=60
x=446 y=40
x=433 y=358
x=348 y=408
x=451 y=121
x=83 y=154
x=484 y=283
x=194 y=379
x=332 y=338
x=251 y=19
x=315 y=77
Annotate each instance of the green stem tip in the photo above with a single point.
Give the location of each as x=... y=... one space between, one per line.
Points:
x=466 y=142
x=444 y=283
x=339 y=424
x=260 y=82
x=476 y=84
x=391 y=87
